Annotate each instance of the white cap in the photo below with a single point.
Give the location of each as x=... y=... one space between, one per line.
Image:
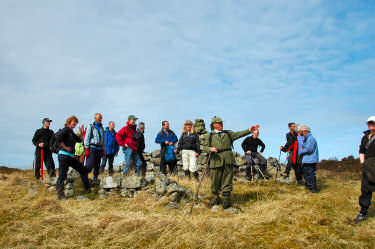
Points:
x=371 y=119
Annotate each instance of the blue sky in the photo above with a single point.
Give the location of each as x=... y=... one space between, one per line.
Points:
x=249 y=62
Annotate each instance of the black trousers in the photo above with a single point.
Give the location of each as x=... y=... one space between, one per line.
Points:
x=163 y=166
x=64 y=163
x=144 y=164
x=93 y=161
x=48 y=162
x=110 y=159
x=366 y=195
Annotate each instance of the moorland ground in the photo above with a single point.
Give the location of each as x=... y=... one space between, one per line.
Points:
x=272 y=215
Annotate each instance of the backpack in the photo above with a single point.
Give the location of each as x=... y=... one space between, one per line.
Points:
x=169 y=154
x=54 y=146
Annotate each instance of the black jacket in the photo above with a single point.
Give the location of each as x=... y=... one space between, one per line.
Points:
x=189 y=142
x=42 y=136
x=252 y=144
x=68 y=137
x=370 y=152
x=141 y=145
x=290 y=142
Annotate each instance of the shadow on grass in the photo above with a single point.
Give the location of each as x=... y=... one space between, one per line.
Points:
x=252 y=197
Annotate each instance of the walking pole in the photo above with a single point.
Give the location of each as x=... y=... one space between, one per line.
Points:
x=200 y=182
x=41 y=164
x=251 y=168
x=278 y=168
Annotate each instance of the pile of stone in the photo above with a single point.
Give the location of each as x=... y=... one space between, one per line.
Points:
x=158 y=185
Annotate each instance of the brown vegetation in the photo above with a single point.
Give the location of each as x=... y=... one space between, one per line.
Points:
x=272 y=215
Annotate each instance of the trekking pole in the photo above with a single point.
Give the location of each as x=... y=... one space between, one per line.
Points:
x=200 y=182
x=278 y=168
x=251 y=168
x=41 y=164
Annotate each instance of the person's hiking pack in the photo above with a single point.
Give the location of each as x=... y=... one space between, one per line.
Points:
x=169 y=154
x=54 y=146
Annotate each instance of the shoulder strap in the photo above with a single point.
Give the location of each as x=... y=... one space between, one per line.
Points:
x=210 y=139
x=230 y=138
x=369 y=142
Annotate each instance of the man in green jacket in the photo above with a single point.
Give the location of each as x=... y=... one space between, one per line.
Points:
x=219 y=144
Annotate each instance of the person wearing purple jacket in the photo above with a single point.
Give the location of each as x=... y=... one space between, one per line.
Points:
x=298 y=169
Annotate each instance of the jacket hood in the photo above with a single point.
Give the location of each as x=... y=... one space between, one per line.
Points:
x=366 y=132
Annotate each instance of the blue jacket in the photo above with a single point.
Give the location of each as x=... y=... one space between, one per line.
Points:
x=309 y=150
x=111 y=146
x=162 y=137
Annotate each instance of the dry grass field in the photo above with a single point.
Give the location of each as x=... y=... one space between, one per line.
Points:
x=272 y=215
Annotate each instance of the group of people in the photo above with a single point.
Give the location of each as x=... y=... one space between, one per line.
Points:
x=99 y=146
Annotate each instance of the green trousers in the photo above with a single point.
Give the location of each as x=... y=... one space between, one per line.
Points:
x=222 y=179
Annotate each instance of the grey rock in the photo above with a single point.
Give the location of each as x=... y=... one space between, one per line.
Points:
x=174 y=197
x=150 y=179
x=172 y=205
x=161 y=187
x=155 y=161
x=134 y=182
x=242 y=168
x=102 y=192
x=126 y=193
x=172 y=188
x=232 y=210
x=69 y=186
x=109 y=182
x=82 y=198
x=215 y=209
x=52 y=189
x=156 y=168
x=68 y=193
x=156 y=153
x=102 y=196
x=74 y=174
x=240 y=161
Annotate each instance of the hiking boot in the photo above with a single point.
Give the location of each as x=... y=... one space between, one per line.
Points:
x=196 y=176
x=313 y=191
x=359 y=218
x=61 y=196
x=300 y=183
x=214 y=200
x=110 y=172
x=226 y=201
x=187 y=174
x=87 y=191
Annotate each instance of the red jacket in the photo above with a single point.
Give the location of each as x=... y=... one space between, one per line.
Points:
x=125 y=136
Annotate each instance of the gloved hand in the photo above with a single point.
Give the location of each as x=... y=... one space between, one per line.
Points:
x=87 y=152
x=103 y=151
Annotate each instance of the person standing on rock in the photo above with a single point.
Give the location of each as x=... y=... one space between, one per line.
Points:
x=141 y=147
x=111 y=148
x=250 y=147
x=128 y=137
x=310 y=157
x=291 y=147
x=189 y=144
x=41 y=141
x=219 y=143
x=165 y=138
x=67 y=140
x=94 y=145
x=367 y=159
